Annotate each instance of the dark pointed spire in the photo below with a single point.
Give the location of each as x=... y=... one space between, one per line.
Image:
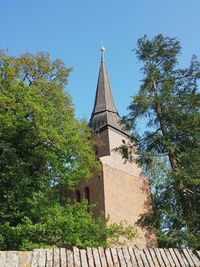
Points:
x=104 y=99
x=104 y=112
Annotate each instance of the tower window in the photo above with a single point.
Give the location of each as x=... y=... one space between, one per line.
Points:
x=124 y=149
x=96 y=150
x=87 y=194
x=78 y=196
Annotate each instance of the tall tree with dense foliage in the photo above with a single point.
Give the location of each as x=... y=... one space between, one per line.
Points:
x=43 y=148
x=169 y=102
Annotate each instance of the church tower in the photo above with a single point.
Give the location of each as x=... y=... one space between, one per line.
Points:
x=119 y=190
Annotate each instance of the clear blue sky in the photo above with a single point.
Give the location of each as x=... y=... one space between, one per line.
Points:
x=73 y=29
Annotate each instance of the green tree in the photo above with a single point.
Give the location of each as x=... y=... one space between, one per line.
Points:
x=50 y=224
x=42 y=144
x=169 y=102
x=43 y=148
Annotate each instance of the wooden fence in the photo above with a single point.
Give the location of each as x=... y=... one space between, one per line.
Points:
x=93 y=257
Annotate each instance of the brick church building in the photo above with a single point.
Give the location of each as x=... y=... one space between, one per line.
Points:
x=118 y=189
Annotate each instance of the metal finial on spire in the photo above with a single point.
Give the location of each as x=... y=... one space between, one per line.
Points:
x=102 y=50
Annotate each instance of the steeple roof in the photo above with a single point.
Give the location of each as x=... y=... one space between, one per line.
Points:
x=104 y=99
x=104 y=112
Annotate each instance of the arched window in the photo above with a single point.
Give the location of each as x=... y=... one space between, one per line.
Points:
x=124 y=150
x=78 y=196
x=96 y=150
x=87 y=194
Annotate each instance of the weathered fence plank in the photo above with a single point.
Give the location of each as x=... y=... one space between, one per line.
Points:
x=90 y=257
x=159 y=257
x=173 y=255
x=24 y=258
x=127 y=257
x=84 y=262
x=63 y=257
x=169 y=257
x=56 y=257
x=3 y=255
x=153 y=256
x=109 y=257
x=187 y=256
x=178 y=255
x=96 y=257
x=144 y=258
x=149 y=258
x=35 y=258
x=12 y=259
x=93 y=257
x=42 y=258
x=132 y=256
x=198 y=252
x=138 y=257
x=49 y=257
x=164 y=257
x=77 y=259
x=115 y=257
x=70 y=258
x=184 y=259
x=194 y=258
x=121 y=257
x=102 y=257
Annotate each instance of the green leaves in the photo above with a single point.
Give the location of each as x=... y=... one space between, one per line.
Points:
x=38 y=119
x=160 y=51
x=43 y=149
x=50 y=224
x=169 y=101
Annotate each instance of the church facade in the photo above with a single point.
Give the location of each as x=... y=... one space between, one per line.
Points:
x=118 y=189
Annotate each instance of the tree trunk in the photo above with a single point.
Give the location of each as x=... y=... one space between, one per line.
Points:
x=180 y=188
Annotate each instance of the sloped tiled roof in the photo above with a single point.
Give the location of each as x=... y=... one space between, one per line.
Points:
x=93 y=257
